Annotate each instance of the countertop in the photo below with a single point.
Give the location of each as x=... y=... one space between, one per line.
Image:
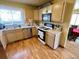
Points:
x=3 y=41
x=16 y=28
x=54 y=31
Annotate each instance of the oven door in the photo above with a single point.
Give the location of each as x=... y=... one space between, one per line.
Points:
x=41 y=35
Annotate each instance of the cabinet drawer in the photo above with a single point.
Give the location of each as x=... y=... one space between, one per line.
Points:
x=9 y=31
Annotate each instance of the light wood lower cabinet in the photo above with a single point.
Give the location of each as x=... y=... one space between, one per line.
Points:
x=34 y=31
x=17 y=34
x=10 y=36
x=53 y=38
x=27 y=33
x=50 y=38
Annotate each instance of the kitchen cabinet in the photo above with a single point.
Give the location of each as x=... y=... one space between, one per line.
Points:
x=10 y=36
x=44 y=10
x=36 y=14
x=53 y=38
x=40 y=14
x=65 y=10
x=27 y=32
x=57 y=11
x=47 y=9
x=50 y=39
x=34 y=31
x=19 y=34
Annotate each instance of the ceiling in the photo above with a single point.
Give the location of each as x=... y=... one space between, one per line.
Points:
x=31 y=2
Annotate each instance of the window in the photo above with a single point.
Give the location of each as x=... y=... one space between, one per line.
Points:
x=76 y=4
x=74 y=19
x=10 y=16
x=77 y=20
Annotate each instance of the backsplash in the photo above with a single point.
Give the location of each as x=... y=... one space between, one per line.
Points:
x=53 y=26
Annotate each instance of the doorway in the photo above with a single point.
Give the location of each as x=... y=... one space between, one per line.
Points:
x=73 y=34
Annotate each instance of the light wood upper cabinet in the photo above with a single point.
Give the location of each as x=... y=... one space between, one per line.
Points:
x=44 y=10
x=49 y=9
x=36 y=14
x=40 y=14
x=57 y=11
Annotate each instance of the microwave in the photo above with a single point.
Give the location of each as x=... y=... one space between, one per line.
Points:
x=46 y=17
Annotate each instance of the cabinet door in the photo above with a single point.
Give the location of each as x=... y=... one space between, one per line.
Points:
x=50 y=38
x=36 y=14
x=57 y=11
x=34 y=31
x=19 y=34
x=40 y=13
x=11 y=36
x=27 y=32
x=49 y=8
x=44 y=10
